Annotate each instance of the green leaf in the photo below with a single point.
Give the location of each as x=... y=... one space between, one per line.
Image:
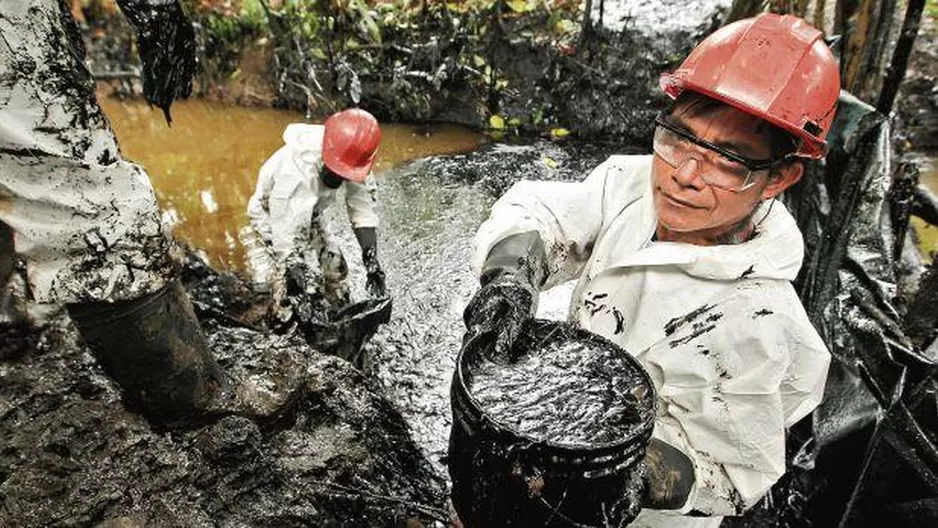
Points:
x=565 y=26
x=497 y=122
x=514 y=122
x=318 y=53
x=519 y=6
x=558 y=133
x=374 y=32
x=478 y=61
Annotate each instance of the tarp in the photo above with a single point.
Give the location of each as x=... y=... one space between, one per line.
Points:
x=867 y=456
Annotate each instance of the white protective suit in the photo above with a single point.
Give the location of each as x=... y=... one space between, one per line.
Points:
x=287 y=205
x=720 y=329
x=86 y=221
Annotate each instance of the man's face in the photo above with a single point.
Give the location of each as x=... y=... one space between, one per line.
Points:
x=691 y=210
x=329 y=178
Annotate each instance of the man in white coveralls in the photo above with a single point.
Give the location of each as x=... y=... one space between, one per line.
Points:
x=684 y=258
x=86 y=221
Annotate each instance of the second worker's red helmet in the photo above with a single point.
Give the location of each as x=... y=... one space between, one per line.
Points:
x=350 y=143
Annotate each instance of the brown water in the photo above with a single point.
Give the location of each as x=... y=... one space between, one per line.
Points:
x=204 y=167
x=928 y=235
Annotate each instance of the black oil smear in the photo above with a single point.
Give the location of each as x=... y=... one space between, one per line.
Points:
x=166 y=43
x=671 y=326
x=620 y=321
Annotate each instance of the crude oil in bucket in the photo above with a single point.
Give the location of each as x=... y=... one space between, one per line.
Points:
x=552 y=437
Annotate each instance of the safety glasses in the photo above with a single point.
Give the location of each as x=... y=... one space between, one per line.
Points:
x=717 y=166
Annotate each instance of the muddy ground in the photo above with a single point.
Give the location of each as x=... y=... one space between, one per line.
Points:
x=71 y=454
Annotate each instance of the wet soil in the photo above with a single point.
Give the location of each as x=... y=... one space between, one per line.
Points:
x=72 y=455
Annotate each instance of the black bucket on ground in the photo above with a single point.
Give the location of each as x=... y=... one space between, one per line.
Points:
x=504 y=478
x=350 y=328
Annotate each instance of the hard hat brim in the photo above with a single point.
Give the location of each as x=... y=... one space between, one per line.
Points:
x=673 y=85
x=357 y=174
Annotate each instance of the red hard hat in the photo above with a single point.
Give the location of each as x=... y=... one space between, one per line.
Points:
x=350 y=143
x=775 y=67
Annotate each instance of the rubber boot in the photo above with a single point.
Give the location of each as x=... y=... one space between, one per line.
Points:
x=154 y=348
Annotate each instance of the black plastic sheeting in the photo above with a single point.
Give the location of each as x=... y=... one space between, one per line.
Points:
x=867 y=456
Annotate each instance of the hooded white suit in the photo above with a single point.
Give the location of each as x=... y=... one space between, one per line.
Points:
x=287 y=204
x=720 y=329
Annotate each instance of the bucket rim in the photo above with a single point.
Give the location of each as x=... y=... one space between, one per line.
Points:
x=643 y=430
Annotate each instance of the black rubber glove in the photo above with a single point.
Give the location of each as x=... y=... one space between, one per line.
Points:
x=166 y=44
x=669 y=476
x=513 y=273
x=304 y=297
x=374 y=275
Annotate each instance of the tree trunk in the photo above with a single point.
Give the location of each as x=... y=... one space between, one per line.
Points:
x=853 y=56
x=878 y=52
x=587 y=24
x=895 y=72
x=801 y=8
x=819 y=9
x=744 y=9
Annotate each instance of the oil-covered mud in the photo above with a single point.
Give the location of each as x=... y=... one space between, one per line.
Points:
x=72 y=455
x=567 y=393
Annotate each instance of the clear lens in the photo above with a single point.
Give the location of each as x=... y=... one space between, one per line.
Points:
x=715 y=169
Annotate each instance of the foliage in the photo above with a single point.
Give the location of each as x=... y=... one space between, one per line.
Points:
x=405 y=58
x=931 y=8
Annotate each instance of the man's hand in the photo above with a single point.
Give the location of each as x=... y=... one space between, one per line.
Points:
x=670 y=476
x=374 y=275
x=512 y=275
x=374 y=283
x=166 y=44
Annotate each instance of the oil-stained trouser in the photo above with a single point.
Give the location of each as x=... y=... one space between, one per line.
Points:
x=86 y=221
x=87 y=224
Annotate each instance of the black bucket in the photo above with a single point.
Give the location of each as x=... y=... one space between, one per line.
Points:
x=503 y=478
x=350 y=328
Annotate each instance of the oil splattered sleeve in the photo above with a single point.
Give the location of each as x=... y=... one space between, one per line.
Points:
x=568 y=215
x=722 y=395
x=258 y=209
x=360 y=202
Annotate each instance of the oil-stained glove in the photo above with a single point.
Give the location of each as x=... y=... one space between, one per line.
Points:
x=374 y=275
x=512 y=275
x=669 y=475
x=166 y=44
x=302 y=293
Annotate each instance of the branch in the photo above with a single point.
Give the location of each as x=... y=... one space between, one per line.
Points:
x=895 y=72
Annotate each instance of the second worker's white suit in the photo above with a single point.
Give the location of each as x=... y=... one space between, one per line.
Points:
x=720 y=329
x=286 y=208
